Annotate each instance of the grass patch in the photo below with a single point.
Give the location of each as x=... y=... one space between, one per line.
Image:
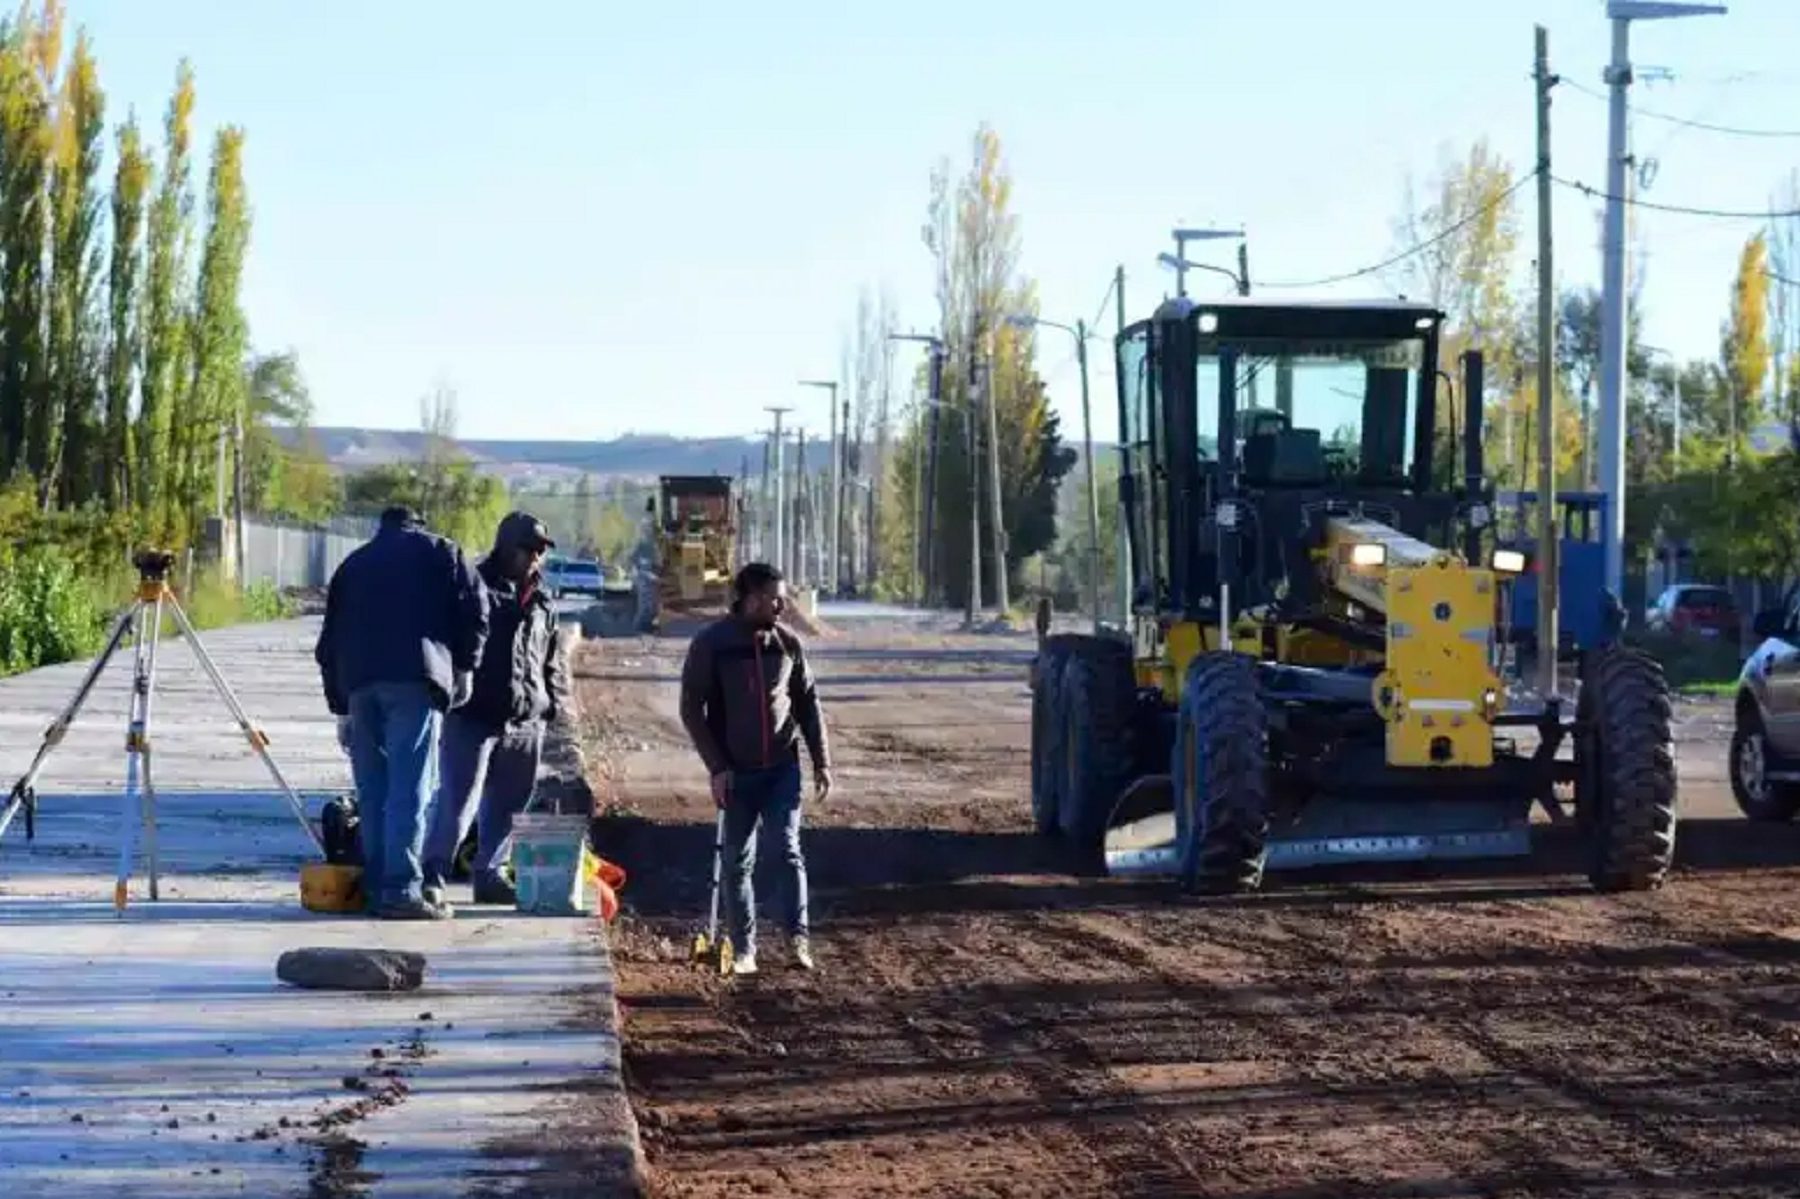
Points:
x=51 y=612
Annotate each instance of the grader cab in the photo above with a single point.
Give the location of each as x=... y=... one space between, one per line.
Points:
x=1312 y=673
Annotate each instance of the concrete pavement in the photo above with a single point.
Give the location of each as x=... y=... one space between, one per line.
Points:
x=154 y=1053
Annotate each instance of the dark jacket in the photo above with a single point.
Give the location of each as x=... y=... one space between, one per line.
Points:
x=748 y=698
x=404 y=608
x=523 y=675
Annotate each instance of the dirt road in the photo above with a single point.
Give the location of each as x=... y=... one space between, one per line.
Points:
x=985 y=1023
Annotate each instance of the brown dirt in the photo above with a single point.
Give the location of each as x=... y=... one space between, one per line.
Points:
x=985 y=1022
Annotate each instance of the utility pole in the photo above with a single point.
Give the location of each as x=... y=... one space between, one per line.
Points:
x=1549 y=553
x=971 y=398
x=802 y=510
x=840 y=490
x=996 y=517
x=1093 y=489
x=762 y=503
x=1124 y=549
x=1613 y=323
x=1243 y=266
x=779 y=546
x=828 y=579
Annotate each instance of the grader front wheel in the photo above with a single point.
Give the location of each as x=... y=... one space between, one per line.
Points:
x=1625 y=769
x=1221 y=775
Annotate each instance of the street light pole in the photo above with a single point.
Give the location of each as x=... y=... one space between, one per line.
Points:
x=1179 y=260
x=830 y=579
x=1613 y=323
x=778 y=412
x=1080 y=334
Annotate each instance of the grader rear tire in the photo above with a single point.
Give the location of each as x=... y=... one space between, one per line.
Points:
x=1221 y=774
x=1626 y=791
x=1047 y=734
x=1098 y=698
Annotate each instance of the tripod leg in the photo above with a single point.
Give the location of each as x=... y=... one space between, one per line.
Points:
x=154 y=620
x=129 y=807
x=24 y=791
x=259 y=740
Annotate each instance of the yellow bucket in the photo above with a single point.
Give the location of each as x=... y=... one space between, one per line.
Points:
x=328 y=888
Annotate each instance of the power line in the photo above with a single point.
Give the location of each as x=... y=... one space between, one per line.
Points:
x=1679 y=209
x=1101 y=310
x=1685 y=122
x=1418 y=248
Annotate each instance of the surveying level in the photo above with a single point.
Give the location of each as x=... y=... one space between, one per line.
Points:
x=143 y=621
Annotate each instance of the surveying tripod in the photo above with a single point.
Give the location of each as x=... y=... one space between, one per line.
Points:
x=143 y=620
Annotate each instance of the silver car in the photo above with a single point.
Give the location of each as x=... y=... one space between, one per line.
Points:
x=1765 y=745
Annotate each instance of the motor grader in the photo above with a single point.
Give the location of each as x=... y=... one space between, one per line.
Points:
x=1314 y=671
x=696 y=532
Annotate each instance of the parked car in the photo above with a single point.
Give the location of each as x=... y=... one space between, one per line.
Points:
x=573 y=576
x=1700 y=609
x=1765 y=742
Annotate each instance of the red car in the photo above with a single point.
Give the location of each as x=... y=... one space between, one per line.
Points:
x=1695 y=608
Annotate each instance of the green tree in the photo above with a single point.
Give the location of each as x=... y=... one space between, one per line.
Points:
x=218 y=338
x=973 y=237
x=25 y=149
x=131 y=184
x=1468 y=223
x=1744 y=340
x=75 y=464
x=164 y=334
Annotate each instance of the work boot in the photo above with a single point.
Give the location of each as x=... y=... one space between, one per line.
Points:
x=744 y=963
x=803 y=958
x=435 y=895
x=415 y=909
x=493 y=888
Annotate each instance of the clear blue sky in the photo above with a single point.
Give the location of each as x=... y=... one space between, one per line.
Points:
x=592 y=218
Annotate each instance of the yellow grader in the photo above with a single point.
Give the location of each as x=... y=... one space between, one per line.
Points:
x=696 y=534
x=1313 y=671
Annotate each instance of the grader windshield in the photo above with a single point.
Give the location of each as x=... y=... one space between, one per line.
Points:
x=1306 y=401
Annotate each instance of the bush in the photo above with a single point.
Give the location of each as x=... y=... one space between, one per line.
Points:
x=47 y=613
x=1690 y=661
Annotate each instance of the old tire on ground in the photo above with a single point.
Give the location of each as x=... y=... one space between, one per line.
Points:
x=1625 y=771
x=1047 y=735
x=1098 y=699
x=1758 y=796
x=1221 y=775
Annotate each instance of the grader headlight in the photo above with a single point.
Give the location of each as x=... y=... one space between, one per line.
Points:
x=1509 y=562
x=1368 y=555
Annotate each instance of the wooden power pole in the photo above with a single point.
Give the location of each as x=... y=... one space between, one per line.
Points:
x=1548 y=555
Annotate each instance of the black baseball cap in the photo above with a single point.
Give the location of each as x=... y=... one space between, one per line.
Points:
x=524 y=529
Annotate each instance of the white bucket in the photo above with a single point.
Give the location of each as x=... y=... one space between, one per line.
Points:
x=551 y=865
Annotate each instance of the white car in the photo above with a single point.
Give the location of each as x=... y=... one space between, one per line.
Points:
x=1765 y=743
x=573 y=576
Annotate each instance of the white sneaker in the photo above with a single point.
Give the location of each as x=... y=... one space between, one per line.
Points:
x=744 y=965
x=803 y=957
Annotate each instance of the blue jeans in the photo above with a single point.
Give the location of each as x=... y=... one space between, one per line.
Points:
x=393 y=754
x=771 y=795
x=485 y=773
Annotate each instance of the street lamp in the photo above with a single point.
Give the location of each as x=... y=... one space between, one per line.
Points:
x=835 y=508
x=1080 y=333
x=1613 y=330
x=1181 y=264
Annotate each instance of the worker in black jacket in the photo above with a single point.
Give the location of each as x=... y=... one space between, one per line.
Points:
x=405 y=620
x=488 y=763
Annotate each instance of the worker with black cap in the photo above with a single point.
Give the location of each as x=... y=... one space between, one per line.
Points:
x=488 y=759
